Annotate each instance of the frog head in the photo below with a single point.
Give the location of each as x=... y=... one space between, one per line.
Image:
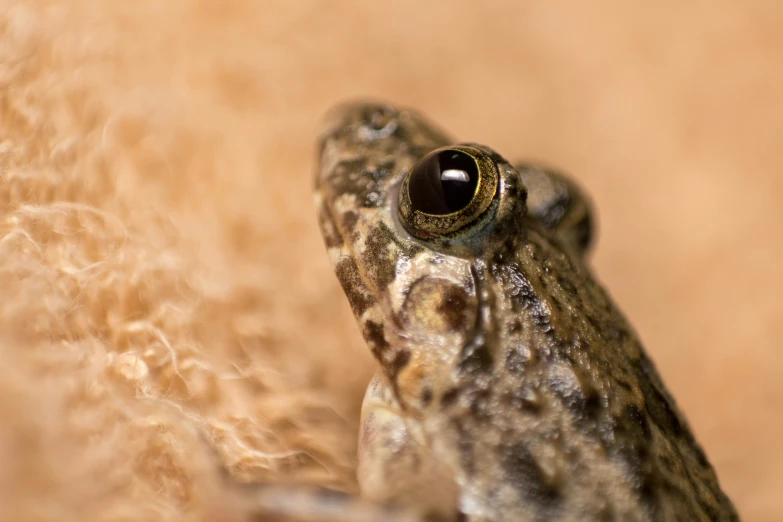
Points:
x=409 y=219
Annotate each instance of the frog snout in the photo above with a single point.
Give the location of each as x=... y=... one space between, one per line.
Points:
x=366 y=120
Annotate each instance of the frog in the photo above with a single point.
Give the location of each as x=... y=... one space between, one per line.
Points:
x=509 y=386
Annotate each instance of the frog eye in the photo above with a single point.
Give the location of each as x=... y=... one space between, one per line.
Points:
x=447 y=190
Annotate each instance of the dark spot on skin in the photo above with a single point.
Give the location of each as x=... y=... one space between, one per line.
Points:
x=523 y=472
x=587 y=407
x=567 y=286
x=593 y=406
x=450 y=397
x=647 y=493
x=373 y=334
x=453 y=307
x=475 y=357
x=426 y=397
x=353 y=286
x=668 y=463
x=667 y=417
x=710 y=509
x=672 y=490
x=437 y=304
x=376 y=255
x=509 y=246
x=331 y=238
x=594 y=323
x=443 y=243
x=400 y=361
x=524 y=298
x=635 y=415
x=349 y=220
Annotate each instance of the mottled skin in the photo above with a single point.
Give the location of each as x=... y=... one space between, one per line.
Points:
x=510 y=386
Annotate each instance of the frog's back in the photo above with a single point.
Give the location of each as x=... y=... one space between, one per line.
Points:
x=554 y=411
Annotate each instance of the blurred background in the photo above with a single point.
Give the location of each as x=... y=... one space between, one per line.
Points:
x=168 y=307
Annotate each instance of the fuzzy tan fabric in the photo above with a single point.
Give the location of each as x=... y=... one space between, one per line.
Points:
x=167 y=305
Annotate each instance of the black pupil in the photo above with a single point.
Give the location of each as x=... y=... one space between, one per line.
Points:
x=443 y=182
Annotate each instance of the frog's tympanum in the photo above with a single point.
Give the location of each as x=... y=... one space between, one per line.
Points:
x=510 y=386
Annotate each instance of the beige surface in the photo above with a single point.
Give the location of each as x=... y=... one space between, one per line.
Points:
x=164 y=288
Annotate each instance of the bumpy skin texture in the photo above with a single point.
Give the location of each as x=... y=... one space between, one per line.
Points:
x=502 y=358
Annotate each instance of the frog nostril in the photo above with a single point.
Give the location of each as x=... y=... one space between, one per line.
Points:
x=378 y=122
x=380 y=116
x=443 y=182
